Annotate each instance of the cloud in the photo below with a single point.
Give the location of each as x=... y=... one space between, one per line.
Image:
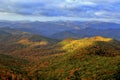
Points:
x=75 y=3
x=85 y=9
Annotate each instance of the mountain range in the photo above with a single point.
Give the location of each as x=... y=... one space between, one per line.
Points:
x=28 y=55
x=62 y=30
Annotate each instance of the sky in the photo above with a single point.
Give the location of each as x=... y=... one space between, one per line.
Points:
x=55 y=10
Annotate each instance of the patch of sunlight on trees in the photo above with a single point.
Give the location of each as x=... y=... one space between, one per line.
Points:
x=32 y=44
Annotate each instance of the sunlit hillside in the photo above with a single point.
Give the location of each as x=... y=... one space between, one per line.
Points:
x=96 y=45
x=34 y=57
x=95 y=58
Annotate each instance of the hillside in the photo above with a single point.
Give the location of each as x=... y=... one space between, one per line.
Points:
x=64 y=35
x=95 y=58
x=96 y=45
x=88 y=32
x=13 y=41
x=28 y=56
x=51 y=29
x=14 y=35
x=11 y=68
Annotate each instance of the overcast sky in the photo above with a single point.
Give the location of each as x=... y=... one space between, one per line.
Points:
x=53 y=10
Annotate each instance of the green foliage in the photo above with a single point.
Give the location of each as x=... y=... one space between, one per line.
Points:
x=11 y=68
x=87 y=67
x=95 y=58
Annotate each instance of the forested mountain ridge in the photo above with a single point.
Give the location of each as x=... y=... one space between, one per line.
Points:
x=29 y=56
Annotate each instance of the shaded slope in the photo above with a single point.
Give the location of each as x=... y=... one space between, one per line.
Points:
x=13 y=35
x=63 y=35
x=88 y=32
x=15 y=41
x=11 y=68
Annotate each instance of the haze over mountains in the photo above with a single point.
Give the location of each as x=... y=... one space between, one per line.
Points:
x=68 y=29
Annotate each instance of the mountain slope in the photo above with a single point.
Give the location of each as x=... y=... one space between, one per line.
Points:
x=96 y=45
x=50 y=28
x=16 y=42
x=95 y=58
x=63 y=35
x=11 y=68
x=89 y=32
x=13 y=35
